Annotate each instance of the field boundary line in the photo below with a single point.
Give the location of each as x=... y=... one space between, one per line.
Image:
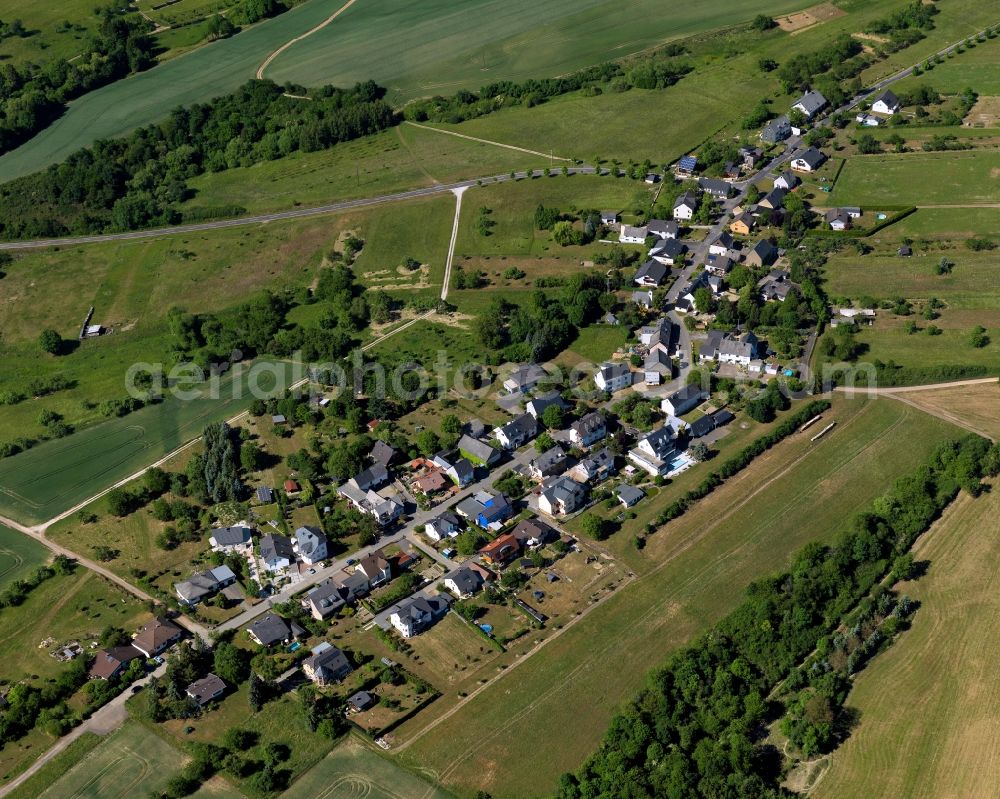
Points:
x=267 y=61
x=487 y=141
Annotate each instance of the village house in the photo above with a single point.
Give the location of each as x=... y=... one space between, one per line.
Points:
x=270 y=629
x=886 y=103
x=656 y=366
x=663 y=229
x=588 y=429
x=311 y=545
x=704 y=425
x=431 y=482
x=750 y=156
x=667 y=252
x=467 y=581
x=516 y=432
x=763 y=254
x=447 y=525
x=718 y=265
x=327 y=665
x=656 y=334
x=686 y=165
x=486 y=508
x=376 y=568
x=533 y=533
x=837 y=219
x=563 y=496
x=230 y=539
x=685 y=206
x=276 y=552
x=612 y=377
x=644 y=299
x=773 y=200
x=594 y=468
x=776 y=285
x=372 y=478
x=743 y=224
x=787 y=180
x=414 y=615
x=157 y=635
x=632 y=235
x=810 y=104
x=650 y=273
x=720 y=189
x=683 y=400
x=720 y=244
x=383 y=454
x=265 y=495
x=206 y=689
x=868 y=120
x=808 y=160
x=776 y=130
x=324 y=600
x=729 y=348
x=524 y=378
x=609 y=217
x=628 y=495
x=654 y=452
x=460 y=470
x=537 y=405
x=110 y=663
x=501 y=550
x=478 y=451
x=549 y=463
x=204 y=584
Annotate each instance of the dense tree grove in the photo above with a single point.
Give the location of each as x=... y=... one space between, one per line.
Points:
x=136 y=181
x=32 y=96
x=696 y=729
x=215 y=473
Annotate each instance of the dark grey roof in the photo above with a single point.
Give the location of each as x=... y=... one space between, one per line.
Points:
x=270 y=629
x=688 y=392
x=723 y=417
x=476 y=448
x=612 y=370
x=207 y=687
x=715 y=186
x=372 y=477
x=686 y=198
x=549 y=458
x=467 y=580
x=589 y=423
x=382 y=453
x=276 y=546
x=663 y=226
x=521 y=426
x=629 y=494
x=361 y=700
x=701 y=426
x=265 y=495
x=329 y=663
x=887 y=97
x=811 y=102
x=671 y=247
x=230 y=536
x=812 y=157
x=311 y=541
x=651 y=270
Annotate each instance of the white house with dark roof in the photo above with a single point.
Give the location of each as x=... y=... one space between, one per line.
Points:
x=729 y=348
x=632 y=235
x=516 y=432
x=206 y=689
x=327 y=665
x=667 y=252
x=776 y=130
x=663 y=228
x=467 y=581
x=563 y=495
x=650 y=273
x=549 y=463
x=886 y=103
x=276 y=552
x=414 y=615
x=685 y=206
x=594 y=468
x=311 y=545
x=657 y=366
x=588 y=429
x=447 y=525
x=714 y=187
x=810 y=104
x=683 y=400
x=524 y=378
x=654 y=452
x=612 y=377
x=230 y=539
x=537 y=405
x=787 y=180
x=720 y=244
x=809 y=160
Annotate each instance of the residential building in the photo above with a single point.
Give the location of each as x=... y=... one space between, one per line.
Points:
x=868 y=120
x=609 y=217
x=763 y=254
x=229 y=539
x=550 y=462
x=743 y=224
x=265 y=495
x=376 y=568
x=644 y=299
x=374 y=477
x=206 y=689
x=447 y=525
x=612 y=377
x=324 y=600
x=486 y=508
x=650 y=273
x=360 y=701
x=414 y=615
x=663 y=228
x=594 y=468
x=685 y=206
x=532 y=533
x=714 y=187
x=729 y=348
x=517 y=431
x=588 y=429
x=654 y=452
x=886 y=103
x=656 y=333
x=687 y=164
x=683 y=400
x=808 y=160
x=667 y=252
x=750 y=156
x=385 y=510
x=270 y=629
x=776 y=130
x=787 y=180
x=311 y=545
x=563 y=496
x=524 y=378
x=628 y=495
x=837 y=219
x=276 y=552
x=630 y=234
x=537 y=405
x=773 y=200
x=384 y=454
x=327 y=665
x=203 y=584
x=776 y=285
x=478 y=451
x=657 y=366
x=467 y=581
x=720 y=244
x=810 y=104
x=718 y=265
x=501 y=550
x=157 y=635
x=110 y=663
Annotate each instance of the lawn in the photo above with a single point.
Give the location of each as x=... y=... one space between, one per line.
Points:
x=406 y=157
x=19 y=555
x=952 y=178
x=47 y=38
x=955 y=223
x=597 y=343
x=696 y=569
x=38 y=484
x=928 y=706
x=130 y=762
x=976 y=68
x=355 y=769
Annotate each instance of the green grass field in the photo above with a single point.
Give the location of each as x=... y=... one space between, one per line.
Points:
x=928 y=705
x=53 y=476
x=47 y=37
x=56 y=767
x=976 y=68
x=19 y=555
x=354 y=769
x=130 y=762
x=952 y=178
x=512 y=739
x=952 y=223
x=405 y=158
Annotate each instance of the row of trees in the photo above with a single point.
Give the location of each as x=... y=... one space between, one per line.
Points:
x=696 y=729
x=138 y=180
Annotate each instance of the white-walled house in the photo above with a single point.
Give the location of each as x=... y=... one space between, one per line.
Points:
x=886 y=103
x=612 y=377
